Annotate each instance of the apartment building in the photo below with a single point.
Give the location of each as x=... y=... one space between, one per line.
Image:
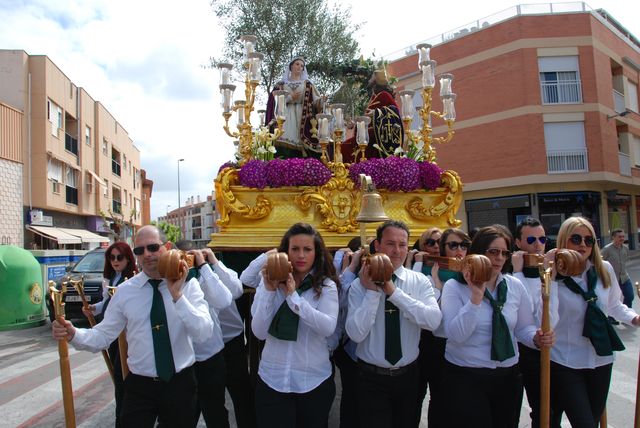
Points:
x=196 y=219
x=81 y=180
x=547 y=116
x=11 y=164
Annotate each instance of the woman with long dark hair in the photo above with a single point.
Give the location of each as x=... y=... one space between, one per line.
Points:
x=295 y=385
x=582 y=358
x=481 y=323
x=119 y=265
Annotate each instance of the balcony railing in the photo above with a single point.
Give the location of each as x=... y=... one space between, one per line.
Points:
x=115 y=167
x=625 y=164
x=117 y=207
x=618 y=102
x=71 y=144
x=564 y=92
x=561 y=161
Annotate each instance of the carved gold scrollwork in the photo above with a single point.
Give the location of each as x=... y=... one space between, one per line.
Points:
x=453 y=185
x=227 y=203
x=337 y=201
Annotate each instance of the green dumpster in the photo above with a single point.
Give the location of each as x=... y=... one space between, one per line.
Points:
x=21 y=289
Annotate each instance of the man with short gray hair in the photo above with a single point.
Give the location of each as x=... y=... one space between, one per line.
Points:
x=617 y=254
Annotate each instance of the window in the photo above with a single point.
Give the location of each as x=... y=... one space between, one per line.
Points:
x=137 y=207
x=116 y=203
x=87 y=136
x=71 y=186
x=632 y=93
x=105 y=190
x=636 y=150
x=560 y=80
x=105 y=147
x=54 y=174
x=566 y=150
x=115 y=162
x=54 y=114
x=124 y=201
x=89 y=181
x=124 y=161
x=71 y=144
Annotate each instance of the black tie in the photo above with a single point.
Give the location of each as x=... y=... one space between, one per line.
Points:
x=392 y=343
x=160 y=332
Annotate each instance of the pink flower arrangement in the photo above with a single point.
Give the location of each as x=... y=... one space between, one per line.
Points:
x=284 y=172
x=398 y=173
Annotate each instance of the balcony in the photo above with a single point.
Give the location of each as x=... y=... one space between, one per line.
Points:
x=71 y=144
x=117 y=207
x=115 y=167
x=625 y=164
x=564 y=92
x=618 y=102
x=563 y=161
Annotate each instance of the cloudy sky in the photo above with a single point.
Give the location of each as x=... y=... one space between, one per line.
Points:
x=144 y=61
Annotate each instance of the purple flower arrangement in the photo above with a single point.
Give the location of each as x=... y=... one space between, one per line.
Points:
x=283 y=172
x=228 y=164
x=398 y=173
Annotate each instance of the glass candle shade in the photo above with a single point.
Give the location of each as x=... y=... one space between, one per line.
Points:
x=338 y=114
x=226 y=92
x=261 y=116
x=362 y=130
x=255 y=61
x=445 y=84
x=249 y=45
x=429 y=74
x=240 y=106
x=448 y=107
x=281 y=104
x=225 y=73
x=424 y=54
x=406 y=102
x=323 y=125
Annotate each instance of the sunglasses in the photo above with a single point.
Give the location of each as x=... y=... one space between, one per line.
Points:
x=495 y=252
x=431 y=242
x=114 y=257
x=578 y=239
x=532 y=239
x=454 y=245
x=152 y=248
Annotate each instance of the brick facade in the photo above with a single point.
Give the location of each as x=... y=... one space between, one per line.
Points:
x=11 y=222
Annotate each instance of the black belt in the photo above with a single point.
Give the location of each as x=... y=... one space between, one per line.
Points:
x=385 y=371
x=185 y=371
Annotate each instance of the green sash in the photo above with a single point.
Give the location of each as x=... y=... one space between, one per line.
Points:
x=501 y=344
x=284 y=325
x=596 y=327
x=531 y=272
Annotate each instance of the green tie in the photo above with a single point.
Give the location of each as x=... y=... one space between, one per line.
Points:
x=193 y=273
x=284 y=325
x=160 y=333
x=531 y=272
x=501 y=344
x=426 y=269
x=445 y=275
x=392 y=344
x=596 y=327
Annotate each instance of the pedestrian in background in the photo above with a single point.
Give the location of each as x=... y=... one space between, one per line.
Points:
x=617 y=254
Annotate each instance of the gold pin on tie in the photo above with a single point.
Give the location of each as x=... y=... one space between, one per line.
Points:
x=157 y=327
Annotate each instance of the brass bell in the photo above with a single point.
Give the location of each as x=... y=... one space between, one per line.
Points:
x=371 y=209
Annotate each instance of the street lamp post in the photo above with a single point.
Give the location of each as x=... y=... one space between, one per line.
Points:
x=179 y=210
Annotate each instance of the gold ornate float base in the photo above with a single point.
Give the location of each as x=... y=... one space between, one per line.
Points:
x=256 y=219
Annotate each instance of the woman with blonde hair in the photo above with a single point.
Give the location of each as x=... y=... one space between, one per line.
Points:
x=582 y=357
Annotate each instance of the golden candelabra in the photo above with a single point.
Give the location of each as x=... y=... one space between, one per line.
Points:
x=252 y=62
x=412 y=142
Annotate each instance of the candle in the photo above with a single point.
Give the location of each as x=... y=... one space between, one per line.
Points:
x=337 y=113
x=226 y=100
x=324 y=128
x=282 y=106
x=428 y=74
x=445 y=84
x=362 y=130
x=226 y=78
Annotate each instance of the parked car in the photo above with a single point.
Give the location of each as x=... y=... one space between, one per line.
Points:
x=90 y=268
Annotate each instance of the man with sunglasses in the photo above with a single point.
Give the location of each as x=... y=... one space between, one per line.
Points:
x=530 y=238
x=617 y=254
x=162 y=319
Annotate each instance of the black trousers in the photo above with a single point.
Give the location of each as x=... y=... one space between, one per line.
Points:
x=288 y=410
x=387 y=401
x=118 y=382
x=146 y=399
x=210 y=378
x=238 y=382
x=489 y=396
x=431 y=365
x=349 y=397
x=580 y=393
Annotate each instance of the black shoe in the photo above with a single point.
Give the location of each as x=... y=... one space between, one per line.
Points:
x=613 y=321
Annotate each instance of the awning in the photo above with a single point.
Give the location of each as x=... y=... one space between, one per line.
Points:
x=64 y=161
x=55 y=233
x=85 y=235
x=98 y=179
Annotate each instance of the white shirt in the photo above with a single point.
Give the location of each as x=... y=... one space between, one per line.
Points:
x=365 y=325
x=346 y=278
x=217 y=297
x=188 y=320
x=105 y=293
x=417 y=266
x=572 y=349
x=534 y=289
x=230 y=319
x=468 y=327
x=252 y=276
x=296 y=366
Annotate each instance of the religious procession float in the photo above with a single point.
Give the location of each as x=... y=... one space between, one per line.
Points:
x=307 y=162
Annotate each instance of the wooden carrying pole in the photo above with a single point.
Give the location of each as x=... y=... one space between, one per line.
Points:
x=545 y=352
x=637 y=420
x=123 y=347
x=65 y=367
x=79 y=286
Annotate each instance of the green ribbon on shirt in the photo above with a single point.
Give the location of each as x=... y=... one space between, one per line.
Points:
x=426 y=269
x=501 y=344
x=445 y=275
x=531 y=272
x=284 y=325
x=596 y=327
x=163 y=354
